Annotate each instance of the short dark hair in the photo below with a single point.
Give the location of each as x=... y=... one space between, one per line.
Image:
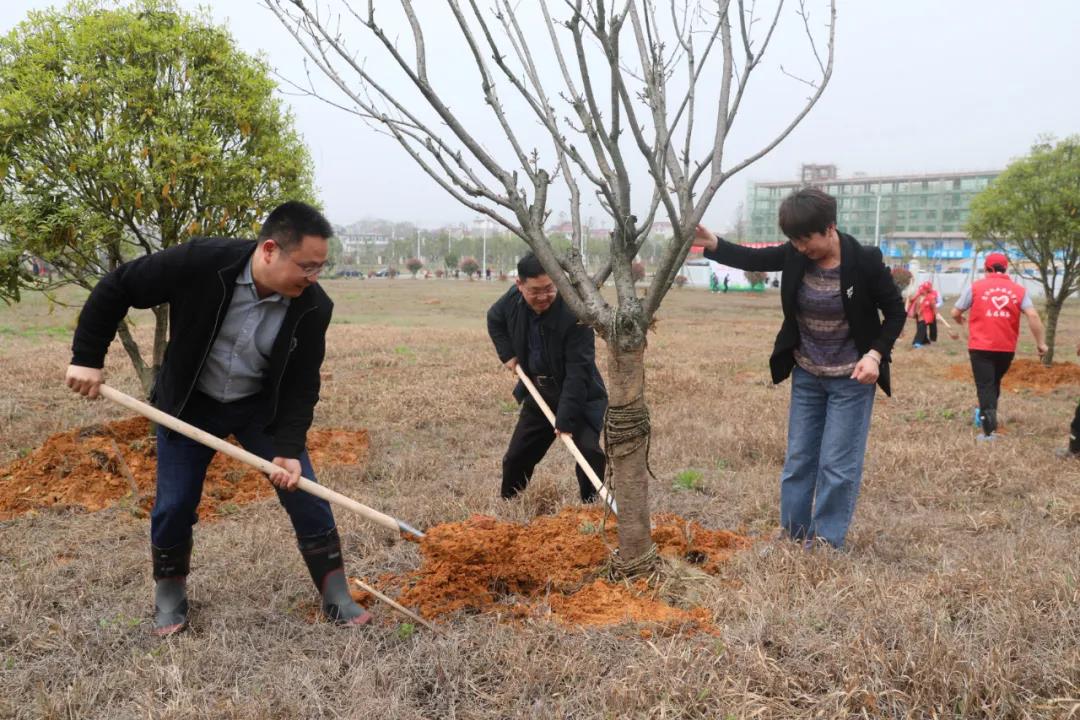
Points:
x=291 y=221
x=529 y=267
x=998 y=268
x=807 y=211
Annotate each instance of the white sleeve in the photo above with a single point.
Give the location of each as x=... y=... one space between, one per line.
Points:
x=1026 y=302
x=964 y=301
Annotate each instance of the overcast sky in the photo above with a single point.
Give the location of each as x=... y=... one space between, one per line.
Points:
x=918 y=85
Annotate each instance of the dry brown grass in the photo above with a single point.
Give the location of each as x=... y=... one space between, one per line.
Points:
x=959 y=596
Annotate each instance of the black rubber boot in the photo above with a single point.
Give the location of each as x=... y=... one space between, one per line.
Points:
x=171 y=568
x=322 y=553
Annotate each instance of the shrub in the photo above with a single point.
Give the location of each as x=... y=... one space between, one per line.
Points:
x=902 y=277
x=756 y=278
x=637 y=271
x=413 y=265
x=469 y=265
x=680 y=280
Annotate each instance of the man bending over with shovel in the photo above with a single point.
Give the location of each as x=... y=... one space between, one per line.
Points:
x=247 y=335
x=532 y=326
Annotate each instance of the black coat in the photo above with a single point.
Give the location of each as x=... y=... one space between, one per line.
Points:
x=866 y=289
x=570 y=353
x=197 y=280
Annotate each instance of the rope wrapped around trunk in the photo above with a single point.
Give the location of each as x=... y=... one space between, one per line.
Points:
x=619 y=570
x=627 y=425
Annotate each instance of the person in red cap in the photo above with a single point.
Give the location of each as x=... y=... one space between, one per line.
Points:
x=923 y=308
x=996 y=303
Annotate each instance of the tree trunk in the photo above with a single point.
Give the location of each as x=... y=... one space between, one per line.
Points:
x=147 y=373
x=143 y=371
x=1053 y=312
x=627 y=432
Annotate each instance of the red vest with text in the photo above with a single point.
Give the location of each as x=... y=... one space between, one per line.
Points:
x=995 y=313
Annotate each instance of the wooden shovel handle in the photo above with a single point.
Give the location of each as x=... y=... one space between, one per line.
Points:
x=567 y=440
x=248 y=458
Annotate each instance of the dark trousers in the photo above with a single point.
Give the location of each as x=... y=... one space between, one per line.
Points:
x=1074 y=432
x=989 y=367
x=925 y=333
x=182 y=463
x=533 y=436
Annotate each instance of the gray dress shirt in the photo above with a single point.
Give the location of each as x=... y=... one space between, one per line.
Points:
x=238 y=360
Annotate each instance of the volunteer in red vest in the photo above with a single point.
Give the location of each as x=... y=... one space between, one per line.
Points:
x=996 y=303
x=923 y=308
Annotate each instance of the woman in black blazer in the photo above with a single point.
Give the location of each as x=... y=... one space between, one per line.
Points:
x=835 y=345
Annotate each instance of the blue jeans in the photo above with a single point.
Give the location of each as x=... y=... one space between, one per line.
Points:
x=182 y=463
x=827 y=428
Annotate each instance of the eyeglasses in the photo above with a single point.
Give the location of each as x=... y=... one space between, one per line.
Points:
x=308 y=269
x=540 y=292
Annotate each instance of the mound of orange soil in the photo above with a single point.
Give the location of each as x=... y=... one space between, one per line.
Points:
x=550 y=568
x=96 y=467
x=1026 y=373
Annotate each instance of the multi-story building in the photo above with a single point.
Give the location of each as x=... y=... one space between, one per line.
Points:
x=909 y=216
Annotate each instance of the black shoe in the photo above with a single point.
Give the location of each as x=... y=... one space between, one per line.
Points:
x=171 y=568
x=322 y=553
x=1067 y=454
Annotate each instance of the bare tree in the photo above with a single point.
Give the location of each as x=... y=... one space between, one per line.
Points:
x=619 y=91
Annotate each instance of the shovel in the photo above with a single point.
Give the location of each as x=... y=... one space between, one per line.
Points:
x=954 y=334
x=568 y=441
x=248 y=458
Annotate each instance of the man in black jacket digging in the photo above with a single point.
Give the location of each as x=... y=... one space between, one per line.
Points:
x=531 y=326
x=247 y=336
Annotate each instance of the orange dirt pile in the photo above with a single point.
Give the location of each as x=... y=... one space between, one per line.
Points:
x=603 y=603
x=81 y=468
x=1028 y=374
x=550 y=567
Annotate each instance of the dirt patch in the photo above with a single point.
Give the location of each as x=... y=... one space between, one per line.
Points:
x=1026 y=374
x=550 y=568
x=97 y=466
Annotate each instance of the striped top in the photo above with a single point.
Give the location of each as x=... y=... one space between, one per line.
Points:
x=825 y=346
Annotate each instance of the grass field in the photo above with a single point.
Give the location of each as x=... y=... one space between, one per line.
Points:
x=958 y=598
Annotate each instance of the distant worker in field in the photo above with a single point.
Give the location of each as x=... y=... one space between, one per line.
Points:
x=834 y=345
x=996 y=303
x=532 y=327
x=923 y=308
x=247 y=338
